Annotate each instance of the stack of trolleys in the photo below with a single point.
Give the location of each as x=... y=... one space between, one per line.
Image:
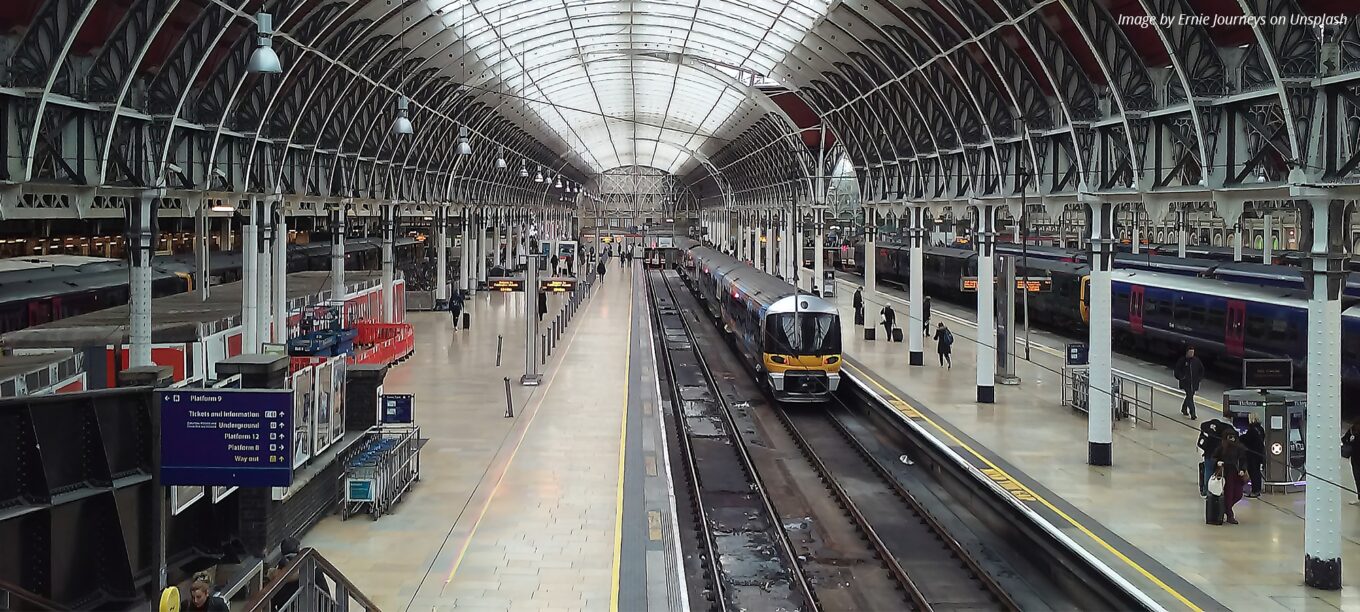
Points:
x=380 y=472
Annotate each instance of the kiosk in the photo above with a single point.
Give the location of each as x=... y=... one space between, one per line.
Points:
x=1283 y=413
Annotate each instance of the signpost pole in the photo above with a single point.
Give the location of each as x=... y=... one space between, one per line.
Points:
x=1006 y=302
x=531 y=376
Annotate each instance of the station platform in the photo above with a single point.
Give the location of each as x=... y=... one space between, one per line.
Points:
x=563 y=506
x=1143 y=517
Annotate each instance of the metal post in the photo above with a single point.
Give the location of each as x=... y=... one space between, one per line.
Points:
x=1237 y=240
x=1099 y=418
x=509 y=400
x=500 y=343
x=202 y=249
x=441 y=255
x=1006 y=302
x=1268 y=242
x=1137 y=242
x=531 y=338
x=870 y=261
x=338 y=253
x=986 y=315
x=280 y=273
x=389 y=229
x=250 y=238
x=916 y=335
x=1322 y=522
x=819 y=245
x=264 y=268
x=465 y=251
x=1182 y=233
x=141 y=222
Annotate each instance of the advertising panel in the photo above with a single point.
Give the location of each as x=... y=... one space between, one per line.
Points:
x=321 y=425
x=338 y=401
x=303 y=402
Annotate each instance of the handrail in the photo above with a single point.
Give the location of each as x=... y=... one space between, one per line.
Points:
x=309 y=596
x=18 y=598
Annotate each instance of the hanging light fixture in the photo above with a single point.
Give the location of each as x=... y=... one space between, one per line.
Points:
x=463 y=147
x=538 y=176
x=524 y=170
x=500 y=159
x=558 y=184
x=402 y=125
x=264 y=60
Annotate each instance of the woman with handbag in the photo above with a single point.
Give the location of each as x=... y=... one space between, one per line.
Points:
x=1231 y=468
x=1350 y=443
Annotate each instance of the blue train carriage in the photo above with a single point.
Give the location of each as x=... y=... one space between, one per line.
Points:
x=791 y=340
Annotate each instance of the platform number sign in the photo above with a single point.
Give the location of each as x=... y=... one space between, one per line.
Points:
x=226 y=437
x=1078 y=354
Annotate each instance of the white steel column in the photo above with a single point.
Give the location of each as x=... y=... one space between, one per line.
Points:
x=250 y=240
x=916 y=236
x=264 y=267
x=985 y=230
x=818 y=245
x=388 y=220
x=202 y=249
x=465 y=251
x=1136 y=243
x=1268 y=243
x=1182 y=230
x=338 y=252
x=483 y=220
x=791 y=247
x=796 y=261
x=1100 y=416
x=1323 y=533
x=441 y=254
x=771 y=242
x=280 y=273
x=141 y=227
x=1238 y=230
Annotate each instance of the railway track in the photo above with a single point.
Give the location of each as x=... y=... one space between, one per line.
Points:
x=839 y=556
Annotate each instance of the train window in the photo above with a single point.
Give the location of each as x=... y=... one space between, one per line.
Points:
x=1256 y=326
x=1215 y=318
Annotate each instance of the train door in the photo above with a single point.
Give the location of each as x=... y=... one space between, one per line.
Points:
x=1136 y=308
x=1236 y=327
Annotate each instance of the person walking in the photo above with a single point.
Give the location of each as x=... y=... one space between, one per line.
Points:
x=889 y=320
x=925 y=315
x=1350 y=449
x=858 y=301
x=944 y=345
x=542 y=305
x=1210 y=434
x=599 y=270
x=1254 y=443
x=1189 y=372
x=456 y=308
x=1229 y=465
x=571 y=266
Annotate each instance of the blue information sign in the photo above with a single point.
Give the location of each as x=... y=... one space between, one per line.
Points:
x=1078 y=354
x=226 y=437
x=398 y=408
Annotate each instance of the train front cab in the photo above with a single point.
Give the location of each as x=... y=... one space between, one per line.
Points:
x=801 y=352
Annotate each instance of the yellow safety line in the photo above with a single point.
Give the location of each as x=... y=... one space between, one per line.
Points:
x=623 y=446
x=1074 y=522
x=467 y=542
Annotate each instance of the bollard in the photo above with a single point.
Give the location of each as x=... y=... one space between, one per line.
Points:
x=509 y=402
x=543 y=351
x=499 y=343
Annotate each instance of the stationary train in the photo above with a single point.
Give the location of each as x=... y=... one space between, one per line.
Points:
x=31 y=297
x=1228 y=312
x=791 y=340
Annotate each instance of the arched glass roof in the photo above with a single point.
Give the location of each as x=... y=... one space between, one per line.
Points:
x=646 y=83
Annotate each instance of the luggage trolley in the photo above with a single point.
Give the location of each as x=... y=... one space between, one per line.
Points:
x=380 y=473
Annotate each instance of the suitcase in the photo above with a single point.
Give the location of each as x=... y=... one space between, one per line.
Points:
x=869 y=333
x=897 y=334
x=1213 y=510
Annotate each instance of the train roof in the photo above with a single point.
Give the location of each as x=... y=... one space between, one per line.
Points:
x=48 y=262
x=765 y=289
x=1154 y=262
x=1209 y=286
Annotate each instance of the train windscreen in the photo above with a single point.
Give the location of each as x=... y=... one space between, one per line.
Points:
x=803 y=334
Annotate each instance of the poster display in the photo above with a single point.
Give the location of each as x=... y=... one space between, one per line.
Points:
x=304 y=389
x=321 y=427
x=338 y=401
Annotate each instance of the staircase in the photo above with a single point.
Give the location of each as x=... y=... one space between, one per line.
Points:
x=309 y=583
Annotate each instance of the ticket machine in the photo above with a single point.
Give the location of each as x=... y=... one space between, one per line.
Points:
x=1284 y=415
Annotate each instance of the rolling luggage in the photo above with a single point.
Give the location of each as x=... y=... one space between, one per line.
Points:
x=1213 y=502
x=897 y=334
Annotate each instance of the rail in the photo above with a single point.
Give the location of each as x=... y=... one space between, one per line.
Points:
x=17 y=598
x=309 y=583
x=1132 y=397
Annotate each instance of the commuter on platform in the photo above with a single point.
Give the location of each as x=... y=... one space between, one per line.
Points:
x=1189 y=372
x=888 y=321
x=944 y=344
x=552 y=264
x=542 y=305
x=201 y=598
x=1350 y=449
x=571 y=266
x=1210 y=435
x=858 y=300
x=925 y=314
x=1254 y=443
x=599 y=269
x=1230 y=459
x=456 y=308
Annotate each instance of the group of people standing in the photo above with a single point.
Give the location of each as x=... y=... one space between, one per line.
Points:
x=1229 y=462
x=944 y=338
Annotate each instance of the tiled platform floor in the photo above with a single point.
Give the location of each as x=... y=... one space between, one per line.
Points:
x=509 y=513
x=1149 y=498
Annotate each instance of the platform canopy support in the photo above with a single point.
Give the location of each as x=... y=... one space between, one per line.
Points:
x=916 y=238
x=441 y=254
x=465 y=250
x=280 y=302
x=1182 y=230
x=1100 y=417
x=985 y=234
x=250 y=239
x=264 y=268
x=483 y=246
x=1268 y=239
x=338 y=220
x=142 y=237
x=387 y=219
x=870 y=261
x=819 y=248
x=1328 y=221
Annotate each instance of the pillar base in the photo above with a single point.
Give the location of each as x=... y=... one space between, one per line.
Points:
x=986 y=394
x=1100 y=453
x=918 y=358
x=1322 y=573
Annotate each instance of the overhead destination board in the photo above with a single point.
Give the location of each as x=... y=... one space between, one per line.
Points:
x=1038 y=284
x=557 y=285
x=226 y=437
x=506 y=285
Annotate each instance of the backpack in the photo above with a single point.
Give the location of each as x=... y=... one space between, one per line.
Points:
x=948 y=338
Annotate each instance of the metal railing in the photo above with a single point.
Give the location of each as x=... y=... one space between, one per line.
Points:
x=309 y=583
x=16 y=598
x=1132 y=397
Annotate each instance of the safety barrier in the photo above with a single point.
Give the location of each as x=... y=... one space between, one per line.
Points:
x=383 y=343
x=1132 y=397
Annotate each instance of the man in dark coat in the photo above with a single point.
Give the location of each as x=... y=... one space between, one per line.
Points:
x=542 y=305
x=925 y=314
x=1254 y=441
x=1210 y=434
x=859 y=304
x=889 y=320
x=1189 y=372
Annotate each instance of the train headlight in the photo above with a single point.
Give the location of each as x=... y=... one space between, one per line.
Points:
x=832 y=360
x=778 y=359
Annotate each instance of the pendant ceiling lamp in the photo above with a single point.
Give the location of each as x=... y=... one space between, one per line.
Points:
x=500 y=159
x=524 y=170
x=464 y=148
x=264 y=60
x=538 y=176
x=402 y=125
